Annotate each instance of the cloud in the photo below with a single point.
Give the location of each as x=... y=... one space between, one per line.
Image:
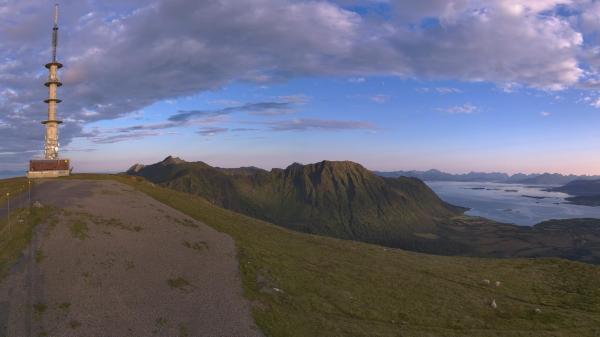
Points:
x=380 y=98
x=448 y=90
x=295 y=99
x=466 y=108
x=156 y=126
x=261 y=108
x=545 y=114
x=228 y=102
x=439 y=90
x=111 y=139
x=211 y=131
x=357 y=80
x=121 y=56
x=319 y=124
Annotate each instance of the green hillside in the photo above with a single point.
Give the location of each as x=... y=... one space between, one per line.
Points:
x=307 y=285
x=339 y=199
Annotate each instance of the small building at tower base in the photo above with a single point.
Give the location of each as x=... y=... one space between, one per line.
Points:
x=44 y=168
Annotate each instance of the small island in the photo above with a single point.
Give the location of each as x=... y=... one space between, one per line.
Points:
x=533 y=196
x=584 y=200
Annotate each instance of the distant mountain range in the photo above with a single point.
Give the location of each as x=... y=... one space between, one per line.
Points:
x=338 y=199
x=519 y=178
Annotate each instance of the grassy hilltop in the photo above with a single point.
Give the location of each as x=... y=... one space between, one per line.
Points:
x=308 y=285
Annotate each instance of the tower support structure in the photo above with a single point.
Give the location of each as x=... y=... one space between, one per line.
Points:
x=51 y=166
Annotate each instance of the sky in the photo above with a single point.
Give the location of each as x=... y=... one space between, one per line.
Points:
x=456 y=85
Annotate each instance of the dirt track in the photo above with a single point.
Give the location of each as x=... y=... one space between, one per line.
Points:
x=115 y=262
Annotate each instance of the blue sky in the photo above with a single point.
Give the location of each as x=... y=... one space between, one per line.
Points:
x=462 y=85
x=409 y=124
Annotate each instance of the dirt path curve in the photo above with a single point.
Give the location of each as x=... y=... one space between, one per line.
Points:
x=117 y=263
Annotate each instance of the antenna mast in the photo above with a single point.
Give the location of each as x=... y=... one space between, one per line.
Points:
x=55 y=33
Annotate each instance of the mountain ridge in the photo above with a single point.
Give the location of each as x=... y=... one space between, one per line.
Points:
x=334 y=198
x=517 y=178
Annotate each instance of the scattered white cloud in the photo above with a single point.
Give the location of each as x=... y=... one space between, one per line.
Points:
x=295 y=99
x=357 y=80
x=439 y=90
x=448 y=90
x=209 y=132
x=380 y=98
x=225 y=102
x=310 y=124
x=466 y=108
x=545 y=113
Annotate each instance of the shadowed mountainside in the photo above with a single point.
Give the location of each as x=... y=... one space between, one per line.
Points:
x=339 y=199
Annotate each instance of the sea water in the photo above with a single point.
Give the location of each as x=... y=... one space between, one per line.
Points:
x=511 y=203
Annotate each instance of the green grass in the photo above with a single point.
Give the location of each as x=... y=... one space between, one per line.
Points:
x=199 y=246
x=13 y=186
x=81 y=219
x=64 y=306
x=39 y=256
x=183 y=331
x=74 y=324
x=178 y=283
x=39 y=308
x=306 y=285
x=79 y=229
x=161 y=322
x=15 y=239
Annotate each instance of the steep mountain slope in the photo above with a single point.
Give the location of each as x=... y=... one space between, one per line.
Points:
x=339 y=199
